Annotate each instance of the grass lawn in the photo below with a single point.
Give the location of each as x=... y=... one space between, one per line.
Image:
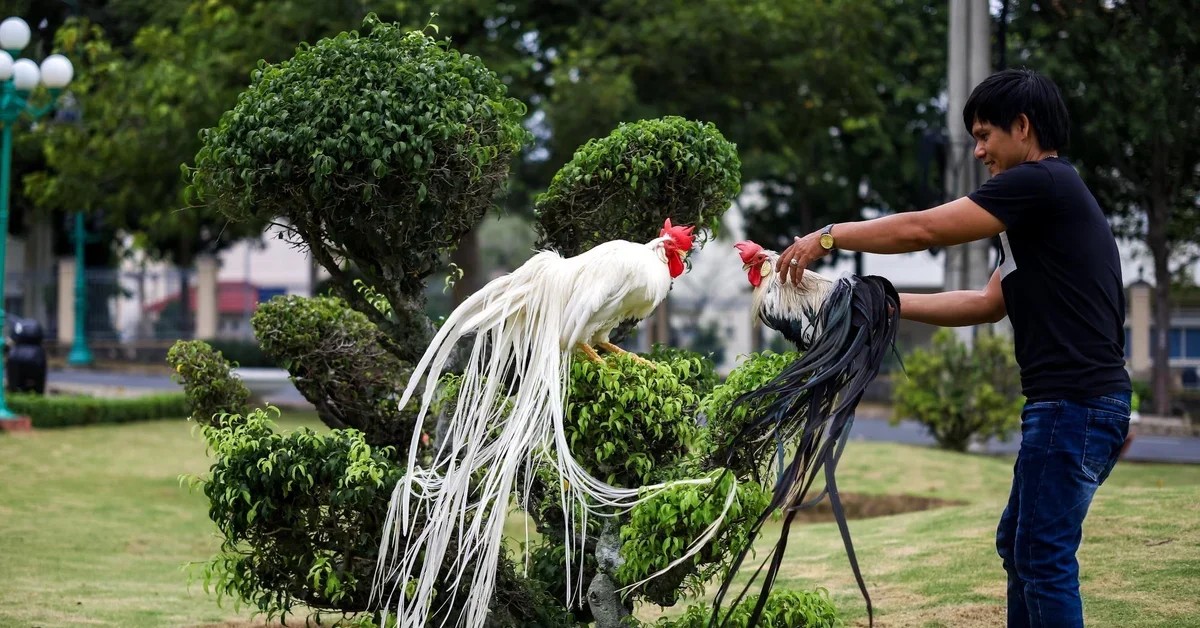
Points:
x=95 y=530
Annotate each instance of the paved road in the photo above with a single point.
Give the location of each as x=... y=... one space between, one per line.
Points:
x=1144 y=448
x=82 y=380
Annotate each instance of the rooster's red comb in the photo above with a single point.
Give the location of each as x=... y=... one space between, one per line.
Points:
x=681 y=236
x=748 y=249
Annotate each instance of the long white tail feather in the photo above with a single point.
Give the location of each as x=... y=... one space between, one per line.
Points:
x=463 y=495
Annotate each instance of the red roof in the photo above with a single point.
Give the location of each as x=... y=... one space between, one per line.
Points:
x=233 y=297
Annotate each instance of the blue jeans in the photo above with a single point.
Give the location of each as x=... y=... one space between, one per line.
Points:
x=1068 y=448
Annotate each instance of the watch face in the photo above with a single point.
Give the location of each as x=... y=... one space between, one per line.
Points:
x=826 y=241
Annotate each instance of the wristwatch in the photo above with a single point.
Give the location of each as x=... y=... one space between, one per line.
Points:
x=827 y=237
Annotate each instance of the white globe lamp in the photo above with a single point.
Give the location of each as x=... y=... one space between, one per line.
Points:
x=14 y=34
x=56 y=71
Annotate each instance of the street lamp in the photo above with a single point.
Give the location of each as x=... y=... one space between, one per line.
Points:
x=17 y=79
x=80 y=355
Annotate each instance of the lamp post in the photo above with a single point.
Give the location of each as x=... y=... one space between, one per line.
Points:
x=17 y=80
x=80 y=355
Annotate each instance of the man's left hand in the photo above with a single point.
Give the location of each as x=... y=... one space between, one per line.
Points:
x=803 y=251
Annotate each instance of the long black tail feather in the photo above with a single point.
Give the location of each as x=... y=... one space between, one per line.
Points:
x=811 y=405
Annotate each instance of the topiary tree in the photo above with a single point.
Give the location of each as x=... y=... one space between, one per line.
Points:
x=378 y=149
x=300 y=513
x=632 y=426
x=961 y=393
x=625 y=184
x=726 y=420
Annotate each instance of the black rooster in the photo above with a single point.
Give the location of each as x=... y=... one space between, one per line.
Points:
x=844 y=328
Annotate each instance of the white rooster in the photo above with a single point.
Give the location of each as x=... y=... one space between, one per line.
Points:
x=509 y=416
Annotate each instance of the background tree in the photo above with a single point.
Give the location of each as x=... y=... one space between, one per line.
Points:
x=829 y=101
x=1129 y=74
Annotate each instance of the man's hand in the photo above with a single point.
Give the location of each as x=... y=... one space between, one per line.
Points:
x=798 y=256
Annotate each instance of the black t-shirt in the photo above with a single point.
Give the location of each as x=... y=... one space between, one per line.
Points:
x=1061 y=277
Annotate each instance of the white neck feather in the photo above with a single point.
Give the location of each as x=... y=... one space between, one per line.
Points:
x=790 y=299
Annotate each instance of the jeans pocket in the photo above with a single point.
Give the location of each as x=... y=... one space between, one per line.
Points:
x=1038 y=421
x=1103 y=436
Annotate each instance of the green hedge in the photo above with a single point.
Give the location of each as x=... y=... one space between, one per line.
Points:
x=70 y=410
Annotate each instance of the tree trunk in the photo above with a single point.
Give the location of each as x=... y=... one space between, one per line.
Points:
x=466 y=257
x=602 y=596
x=1156 y=237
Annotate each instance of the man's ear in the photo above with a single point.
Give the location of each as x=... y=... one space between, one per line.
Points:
x=1022 y=129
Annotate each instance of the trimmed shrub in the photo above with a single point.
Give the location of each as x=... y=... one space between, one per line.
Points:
x=338 y=361
x=784 y=609
x=724 y=421
x=301 y=519
x=380 y=149
x=625 y=184
x=73 y=410
x=961 y=394
x=207 y=381
x=700 y=373
x=661 y=529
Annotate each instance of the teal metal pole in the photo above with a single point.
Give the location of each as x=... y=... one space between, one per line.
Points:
x=5 y=167
x=80 y=354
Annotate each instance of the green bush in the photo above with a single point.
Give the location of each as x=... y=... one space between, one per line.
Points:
x=784 y=609
x=301 y=516
x=380 y=150
x=630 y=425
x=72 y=410
x=211 y=388
x=958 y=393
x=661 y=529
x=724 y=421
x=625 y=184
x=626 y=422
x=701 y=375
x=338 y=361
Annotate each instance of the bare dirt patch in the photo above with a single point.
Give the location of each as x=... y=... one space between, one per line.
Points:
x=859 y=506
x=259 y=624
x=963 y=616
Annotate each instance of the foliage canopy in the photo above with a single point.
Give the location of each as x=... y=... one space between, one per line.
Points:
x=631 y=180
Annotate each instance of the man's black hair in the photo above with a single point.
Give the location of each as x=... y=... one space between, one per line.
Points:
x=1003 y=96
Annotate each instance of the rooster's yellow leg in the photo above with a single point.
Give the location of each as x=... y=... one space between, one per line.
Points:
x=590 y=353
x=611 y=348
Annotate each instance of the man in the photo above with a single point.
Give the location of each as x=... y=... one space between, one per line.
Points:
x=1059 y=282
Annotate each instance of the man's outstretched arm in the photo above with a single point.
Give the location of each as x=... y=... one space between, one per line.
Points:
x=957 y=308
x=949 y=224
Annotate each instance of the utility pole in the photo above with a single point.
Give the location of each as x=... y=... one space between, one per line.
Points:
x=967 y=265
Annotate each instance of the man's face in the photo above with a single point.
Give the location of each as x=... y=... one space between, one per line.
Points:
x=999 y=149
